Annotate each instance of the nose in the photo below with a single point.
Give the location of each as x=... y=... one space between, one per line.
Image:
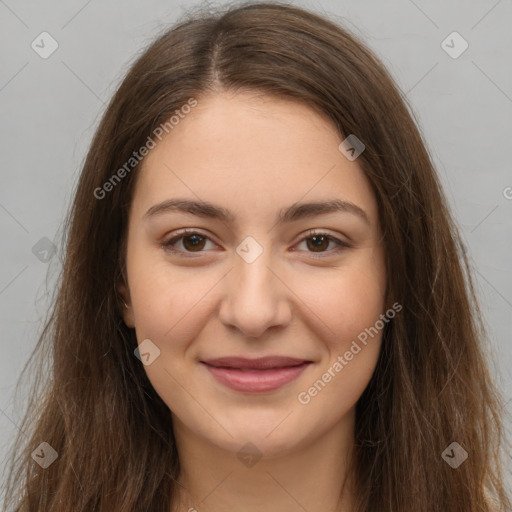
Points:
x=256 y=297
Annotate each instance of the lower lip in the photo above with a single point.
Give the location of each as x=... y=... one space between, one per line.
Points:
x=256 y=381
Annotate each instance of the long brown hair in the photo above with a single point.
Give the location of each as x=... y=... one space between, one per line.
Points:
x=93 y=403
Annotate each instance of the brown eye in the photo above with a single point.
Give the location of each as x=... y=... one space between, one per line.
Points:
x=194 y=242
x=318 y=242
x=191 y=241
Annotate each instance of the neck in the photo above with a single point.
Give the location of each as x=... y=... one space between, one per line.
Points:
x=312 y=477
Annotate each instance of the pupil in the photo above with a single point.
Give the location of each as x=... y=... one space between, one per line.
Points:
x=318 y=240
x=196 y=241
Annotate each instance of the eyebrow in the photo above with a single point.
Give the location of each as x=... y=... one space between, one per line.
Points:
x=296 y=211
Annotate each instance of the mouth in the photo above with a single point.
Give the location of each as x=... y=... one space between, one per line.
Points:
x=255 y=375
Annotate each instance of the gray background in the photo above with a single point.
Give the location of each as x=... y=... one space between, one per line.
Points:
x=50 y=108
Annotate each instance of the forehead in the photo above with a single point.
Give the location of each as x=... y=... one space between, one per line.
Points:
x=252 y=154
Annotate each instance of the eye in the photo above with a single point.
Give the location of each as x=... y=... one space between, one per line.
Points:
x=318 y=241
x=194 y=242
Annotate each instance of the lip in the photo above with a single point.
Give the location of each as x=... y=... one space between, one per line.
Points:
x=255 y=375
x=260 y=363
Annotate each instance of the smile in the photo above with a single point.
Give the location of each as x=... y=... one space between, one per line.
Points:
x=255 y=376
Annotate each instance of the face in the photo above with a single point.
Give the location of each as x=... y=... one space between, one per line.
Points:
x=257 y=274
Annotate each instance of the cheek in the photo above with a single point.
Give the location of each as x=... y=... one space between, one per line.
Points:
x=168 y=305
x=351 y=307
x=347 y=300
x=171 y=306
x=165 y=296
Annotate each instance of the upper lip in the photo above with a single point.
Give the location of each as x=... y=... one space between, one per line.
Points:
x=262 y=363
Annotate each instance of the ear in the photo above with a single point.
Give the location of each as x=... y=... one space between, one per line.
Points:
x=127 y=310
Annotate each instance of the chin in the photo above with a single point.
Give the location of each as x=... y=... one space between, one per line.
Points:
x=271 y=441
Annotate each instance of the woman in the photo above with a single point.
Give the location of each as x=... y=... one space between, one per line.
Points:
x=265 y=304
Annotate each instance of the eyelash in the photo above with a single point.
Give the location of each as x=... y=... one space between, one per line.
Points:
x=167 y=245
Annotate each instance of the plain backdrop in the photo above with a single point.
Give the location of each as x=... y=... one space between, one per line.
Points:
x=50 y=107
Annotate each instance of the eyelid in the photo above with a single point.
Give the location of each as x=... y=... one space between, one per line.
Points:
x=182 y=233
x=341 y=244
x=325 y=232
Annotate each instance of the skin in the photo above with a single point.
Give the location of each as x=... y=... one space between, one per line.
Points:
x=256 y=155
